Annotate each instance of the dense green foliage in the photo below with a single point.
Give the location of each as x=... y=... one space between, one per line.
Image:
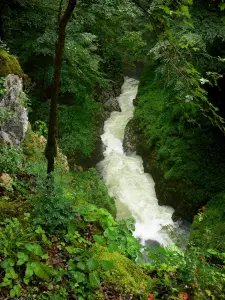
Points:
x=67 y=246
x=208 y=227
x=59 y=238
x=100 y=42
x=190 y=157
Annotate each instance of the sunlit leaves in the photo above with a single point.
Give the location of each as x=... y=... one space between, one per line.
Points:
x=222 y=6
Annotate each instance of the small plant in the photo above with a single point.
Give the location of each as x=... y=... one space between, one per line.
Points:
x=3 y=46
x=53 y=207
x=2 y=87
x=40 y=128
x=10 y=159
x=25 y=101
x=22 y=256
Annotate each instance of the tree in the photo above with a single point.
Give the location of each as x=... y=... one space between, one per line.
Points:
x=51 y=148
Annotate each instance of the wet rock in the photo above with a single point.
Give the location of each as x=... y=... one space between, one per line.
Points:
x=130 y=141
x=13 y=130
x=112 y=105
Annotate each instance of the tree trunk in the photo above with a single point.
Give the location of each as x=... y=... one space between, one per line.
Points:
x=51 y=148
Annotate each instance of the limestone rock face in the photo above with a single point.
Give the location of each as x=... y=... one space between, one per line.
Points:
x=13 y=130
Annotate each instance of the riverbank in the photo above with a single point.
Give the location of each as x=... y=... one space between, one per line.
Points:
x=184 y=159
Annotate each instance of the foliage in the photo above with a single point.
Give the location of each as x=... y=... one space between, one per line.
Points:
x=21 y=257
x=53 y=207
x=40 y=128
x=177 y=45
x=191 y=273
x=89 y=187
x=2 y=87
x=189 y=157
x=10 y=159
x=89 y=63
x=78 y=134
x=5 y=115
x=71 y=246
x=208 y=226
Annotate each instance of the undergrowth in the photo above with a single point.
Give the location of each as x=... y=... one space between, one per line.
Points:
x=64 y=243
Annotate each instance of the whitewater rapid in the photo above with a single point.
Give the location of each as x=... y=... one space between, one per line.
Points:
x=133 y=190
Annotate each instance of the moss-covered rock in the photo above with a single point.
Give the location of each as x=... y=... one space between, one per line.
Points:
x=11 y=208
x=9 y=64
x=126 y=277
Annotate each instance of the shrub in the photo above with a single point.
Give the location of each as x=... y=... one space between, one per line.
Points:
x=10 y=159
x=208 y=230
x=53 y=207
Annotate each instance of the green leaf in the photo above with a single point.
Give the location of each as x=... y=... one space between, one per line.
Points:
x=99 y=239
x=185 y=11
x=81 y=265
x=29 y=271
x=35 y=248
x=39 y=230
x=12 y=293
x=11 y=273
x=166 y=9
x=22 y=258
x=79 y=277
x=94 y=279
x=92 y=264
x=107 y=265
x=6 y=282
x=39 y=270
x=7 y=263
x=222 y=6
x=17 y=290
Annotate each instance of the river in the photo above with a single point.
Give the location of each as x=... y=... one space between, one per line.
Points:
x=132 y=188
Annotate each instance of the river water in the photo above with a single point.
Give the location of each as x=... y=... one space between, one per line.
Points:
x=133 y=190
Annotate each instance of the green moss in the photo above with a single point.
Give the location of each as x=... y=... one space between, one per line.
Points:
x=9 y=65
x=9 y=209
x=126 y=277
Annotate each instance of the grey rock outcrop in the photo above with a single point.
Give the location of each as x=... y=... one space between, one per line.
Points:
x=108 y=98
x=13 y=130
x=112 y=105
x=130 y=141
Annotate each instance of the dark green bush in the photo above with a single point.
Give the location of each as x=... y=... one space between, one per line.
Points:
x=53 y=207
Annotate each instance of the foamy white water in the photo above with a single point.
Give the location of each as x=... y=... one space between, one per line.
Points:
x=133 y=190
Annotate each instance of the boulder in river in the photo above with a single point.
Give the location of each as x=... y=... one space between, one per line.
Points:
x=112 y=105
x=130 y=141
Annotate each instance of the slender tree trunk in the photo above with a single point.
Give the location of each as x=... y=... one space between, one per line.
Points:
x=51 y=148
